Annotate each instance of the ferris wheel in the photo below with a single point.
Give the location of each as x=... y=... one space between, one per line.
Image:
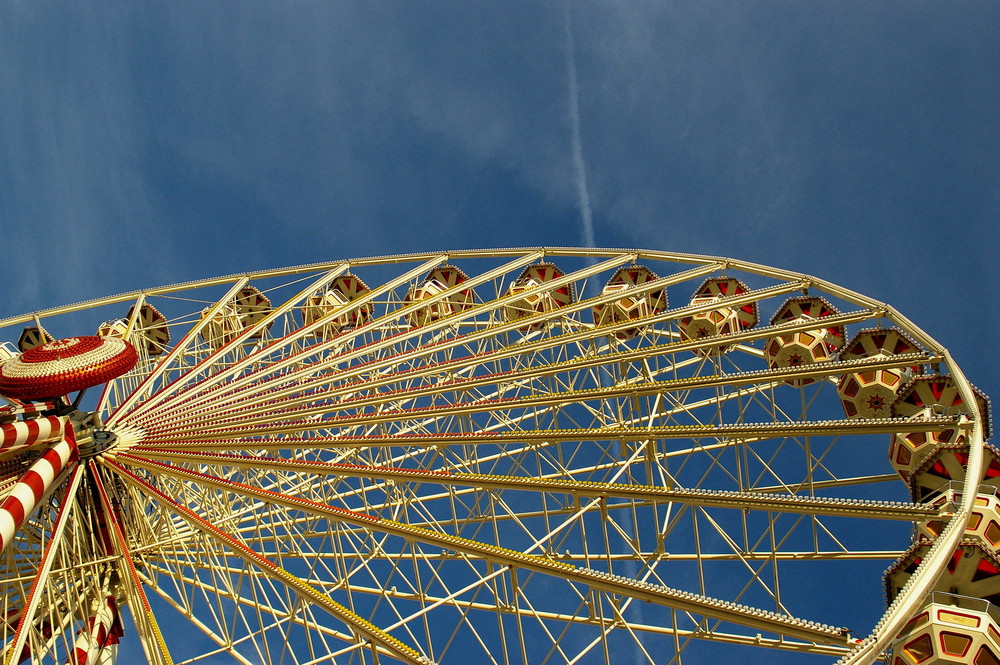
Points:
x=531 y=456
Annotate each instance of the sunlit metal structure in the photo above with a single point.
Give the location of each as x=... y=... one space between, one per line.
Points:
x=503 y=456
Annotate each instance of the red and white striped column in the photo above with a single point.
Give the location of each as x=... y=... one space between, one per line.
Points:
x=36 y=482
x=26 y=407
x=97 y=644
x=17 y=436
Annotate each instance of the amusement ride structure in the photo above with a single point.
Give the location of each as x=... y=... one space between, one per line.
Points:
x=531 y=456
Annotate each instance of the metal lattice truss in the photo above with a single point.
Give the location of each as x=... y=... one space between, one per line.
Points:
x=456 y=465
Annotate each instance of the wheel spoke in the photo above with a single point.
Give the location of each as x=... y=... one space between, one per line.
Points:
x=718 y=499
x=243 y=438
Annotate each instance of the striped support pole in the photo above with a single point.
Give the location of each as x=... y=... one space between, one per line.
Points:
x=27 y=407
x=16 y=436
x=97 y=643
x=42 y=476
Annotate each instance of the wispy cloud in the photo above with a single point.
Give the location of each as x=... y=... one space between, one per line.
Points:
x=73 y=201
x=579 y=166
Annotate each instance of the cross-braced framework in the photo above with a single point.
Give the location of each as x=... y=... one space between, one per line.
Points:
x=543 y=456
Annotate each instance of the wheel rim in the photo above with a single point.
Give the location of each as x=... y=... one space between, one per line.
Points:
x=468 y=467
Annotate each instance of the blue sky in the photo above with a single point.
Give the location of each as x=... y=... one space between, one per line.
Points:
x=857 y=141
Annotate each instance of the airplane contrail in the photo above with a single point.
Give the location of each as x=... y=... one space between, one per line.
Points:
x=579 y=167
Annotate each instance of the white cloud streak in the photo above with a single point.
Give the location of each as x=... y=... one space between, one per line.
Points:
x=579 y=166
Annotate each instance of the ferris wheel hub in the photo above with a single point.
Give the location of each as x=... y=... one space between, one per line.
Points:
x=99 y=441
